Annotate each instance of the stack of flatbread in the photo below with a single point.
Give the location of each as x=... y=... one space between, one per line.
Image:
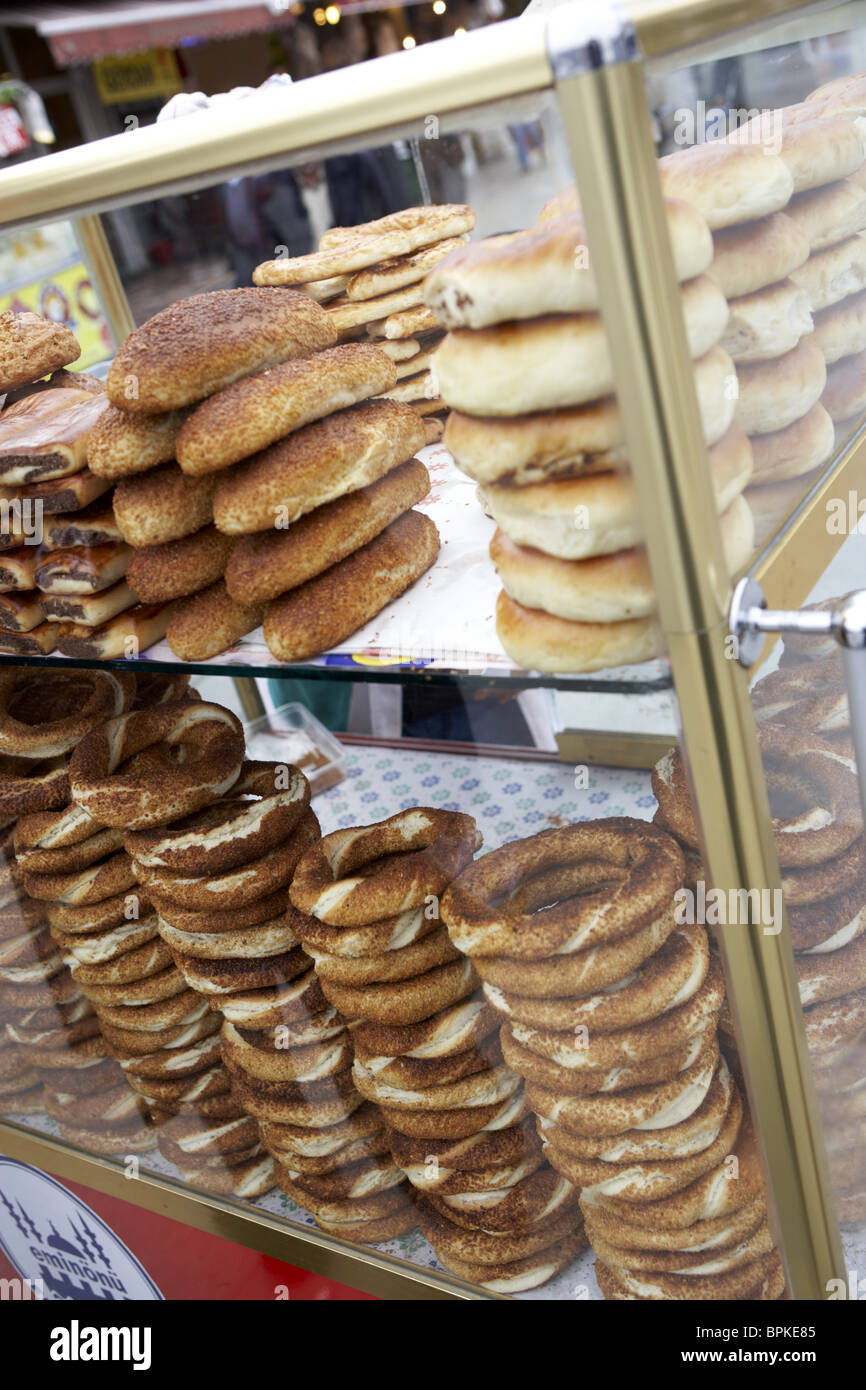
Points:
x=60 y=551
x=528 y=374
x=796 y=285
x=233 y=415
x=370 y=280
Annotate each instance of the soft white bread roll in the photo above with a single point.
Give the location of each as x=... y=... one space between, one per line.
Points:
x=773 y=394
x=757 y=254
x=845 y=393
x=799 y=449
x=606 y=588
x=576 y=518
x=840 y=330
x=584 y=439
x=539 y=641
x=767 y=323
x=834 y=273
x=558 y=360
x=728 y=183
x=830 y=214
x=814 y=152
x=544 y=270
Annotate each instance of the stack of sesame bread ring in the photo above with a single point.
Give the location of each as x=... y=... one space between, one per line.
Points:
x=527 y=371
x=610 y=1015
x=63 y=862
x=365 y=903
x=140 y=775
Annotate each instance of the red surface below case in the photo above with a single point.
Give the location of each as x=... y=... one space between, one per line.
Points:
x=189 y=1264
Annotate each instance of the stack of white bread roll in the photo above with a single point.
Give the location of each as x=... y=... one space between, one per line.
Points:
x=527 y=372
x=787 y=336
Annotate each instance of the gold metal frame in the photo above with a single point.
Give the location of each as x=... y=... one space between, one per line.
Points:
x=605 y=113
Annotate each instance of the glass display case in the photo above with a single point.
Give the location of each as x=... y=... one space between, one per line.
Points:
x=510 y=941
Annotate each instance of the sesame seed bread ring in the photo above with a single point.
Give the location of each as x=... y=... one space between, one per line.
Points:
x=488 y=1087
x=122 y=1139
x=147 y=990
x=199 y=345
x=43 y=787
x=422 y=848
x=376 y=1146
x=216 y=1137
x=192 y=1090
x=139 y=963
x=83 y=887
x=362 y=1179
x=443 y=1182
x=627 y=1046
x=267 y=939
x=51 y=830
x=829 y=923
x=646 y=864
x=456 y=1124
x=234 y=831
x=377 y=1217
x=322 y=1027
x=359 y=942
x=49 y=719
x=174 y=1063
x=585 y=972
x=139 y=1043
x=492 y=1248
x=405 y=1001
x=229 y=919
x=679 y=1138
x=486 y=1149
x=98 y=917
x=819 y=881
x=816 y=702
x=46 y=1036
x=252 y=1178
x=648 y=1181
x=744 y=1252
x=411 y=1074
x=212 y=741
x=272 y=1063
x=88 y=1053
x=405 y=964
x=832 y=974
x=292 y=1006
x=453 y=1029
x=773 y=395
x=205 y=1163
x=261 y=878
x=80 y=856
x=668 y=978
x=542 y=1195
x=630 y=1097
x=226 y=976
x=114 y=1107
x=96 y=948
x=182 y=1008
x=315 y=1104
x=516 y=1276
x=803 y=767
x=747 y=1282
